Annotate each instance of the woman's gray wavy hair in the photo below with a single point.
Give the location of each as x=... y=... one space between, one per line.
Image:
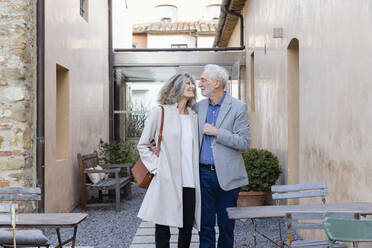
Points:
x=172 y=91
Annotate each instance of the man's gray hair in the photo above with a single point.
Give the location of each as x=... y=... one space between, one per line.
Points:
x=217 y=73
x=172 y=91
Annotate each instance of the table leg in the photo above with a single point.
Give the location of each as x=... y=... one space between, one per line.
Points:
x=74 y=237
x=254 y=233
x=280 y=234
x=59 y=237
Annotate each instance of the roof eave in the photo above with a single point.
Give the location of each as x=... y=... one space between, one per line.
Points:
x=226 y=22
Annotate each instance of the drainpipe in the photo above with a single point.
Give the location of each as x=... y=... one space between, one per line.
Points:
x=223 y=15
x=40 y=138
x=111 y=74
x=226 y=10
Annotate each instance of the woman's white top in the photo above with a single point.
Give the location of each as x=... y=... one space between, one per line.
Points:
x=186 y=152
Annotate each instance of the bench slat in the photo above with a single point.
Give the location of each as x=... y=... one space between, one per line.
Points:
x=110 y=182
x=278 y=196
x=19 y=190
x=6 y=208
x=319 y=215
x=298 y=187
x=20 y=198
x=89 y=156
x=307 y=226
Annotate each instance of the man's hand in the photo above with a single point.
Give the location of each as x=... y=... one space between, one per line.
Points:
x=154 y=149
x=208 y=129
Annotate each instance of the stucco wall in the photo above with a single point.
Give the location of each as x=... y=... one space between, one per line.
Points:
x=82 y=48
x=205 y=41
x=121 y=25
x=335 y=51
x=17 y=93
x=187 y=11
x=161 y=40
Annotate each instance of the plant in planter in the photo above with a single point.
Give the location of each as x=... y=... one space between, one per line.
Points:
x=263 y=171
x=118 y=153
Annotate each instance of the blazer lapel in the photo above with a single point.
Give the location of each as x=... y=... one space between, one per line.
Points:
x=225 y=108
x=202 y=116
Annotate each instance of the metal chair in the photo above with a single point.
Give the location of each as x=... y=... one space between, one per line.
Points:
x=19 y=238
x=299 y=220
x=296 y=191
x=346 y=230
x=9 y=211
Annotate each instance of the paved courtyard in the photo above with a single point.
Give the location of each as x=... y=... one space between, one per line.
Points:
x=105 y=228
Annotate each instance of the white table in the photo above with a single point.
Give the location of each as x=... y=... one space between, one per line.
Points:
x=279 y=211
x=58 y=220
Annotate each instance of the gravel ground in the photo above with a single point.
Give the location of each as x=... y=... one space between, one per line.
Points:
x=105 y=228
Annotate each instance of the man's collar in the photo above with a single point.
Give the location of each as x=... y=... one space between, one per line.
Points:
x=219 y=102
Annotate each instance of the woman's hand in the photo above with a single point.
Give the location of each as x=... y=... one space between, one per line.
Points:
x=154 y=149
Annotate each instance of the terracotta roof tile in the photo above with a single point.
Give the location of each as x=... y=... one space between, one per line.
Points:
x=176 y=27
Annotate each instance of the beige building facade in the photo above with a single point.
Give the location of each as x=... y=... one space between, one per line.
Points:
x=73 y=61
x=308 y=88
x=76 y=94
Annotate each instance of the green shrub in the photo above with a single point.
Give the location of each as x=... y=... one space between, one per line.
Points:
x=118 y=153
x=263 y=169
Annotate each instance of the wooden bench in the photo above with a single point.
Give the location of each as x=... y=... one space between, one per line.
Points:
x=86 y=164
x=19 y=238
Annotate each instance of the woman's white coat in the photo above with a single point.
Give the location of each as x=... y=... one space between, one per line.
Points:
x=163 y=200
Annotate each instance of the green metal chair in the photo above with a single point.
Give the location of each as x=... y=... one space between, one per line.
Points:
x=311 y=220
x=348 y=230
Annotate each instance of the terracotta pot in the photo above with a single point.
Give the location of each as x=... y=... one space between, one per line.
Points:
x=249 y=199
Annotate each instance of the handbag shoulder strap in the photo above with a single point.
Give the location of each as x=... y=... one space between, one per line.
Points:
x=161 y=126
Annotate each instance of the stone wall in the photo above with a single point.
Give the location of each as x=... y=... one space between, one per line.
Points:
x=18 y=58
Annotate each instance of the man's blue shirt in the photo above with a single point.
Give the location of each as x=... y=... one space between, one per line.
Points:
x=206 y=153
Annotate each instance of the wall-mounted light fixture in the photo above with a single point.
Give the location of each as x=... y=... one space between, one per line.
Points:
x=277 y=33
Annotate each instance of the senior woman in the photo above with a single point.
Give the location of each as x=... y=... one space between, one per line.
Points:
x=173 y=197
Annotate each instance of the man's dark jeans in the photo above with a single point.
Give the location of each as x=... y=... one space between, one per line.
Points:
x=214 y=201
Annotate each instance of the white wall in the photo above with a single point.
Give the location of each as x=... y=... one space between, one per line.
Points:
x=121 y=25
x=142 y=11
x=163 y=40
x=205 y=41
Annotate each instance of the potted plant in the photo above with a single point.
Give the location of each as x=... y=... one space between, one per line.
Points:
x=118 y=153
x=263 y=171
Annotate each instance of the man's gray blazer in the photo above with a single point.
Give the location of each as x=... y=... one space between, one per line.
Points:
x=233 y=137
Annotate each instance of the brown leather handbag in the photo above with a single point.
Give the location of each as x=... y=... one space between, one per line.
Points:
x=140 y=173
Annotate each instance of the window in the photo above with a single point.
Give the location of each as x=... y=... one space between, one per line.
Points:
x=179 y=46
x=84 y=9
x=166 y=13
x=213 y=12
x=62 y=113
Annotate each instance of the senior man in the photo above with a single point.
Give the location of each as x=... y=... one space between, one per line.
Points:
x=223 y=133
